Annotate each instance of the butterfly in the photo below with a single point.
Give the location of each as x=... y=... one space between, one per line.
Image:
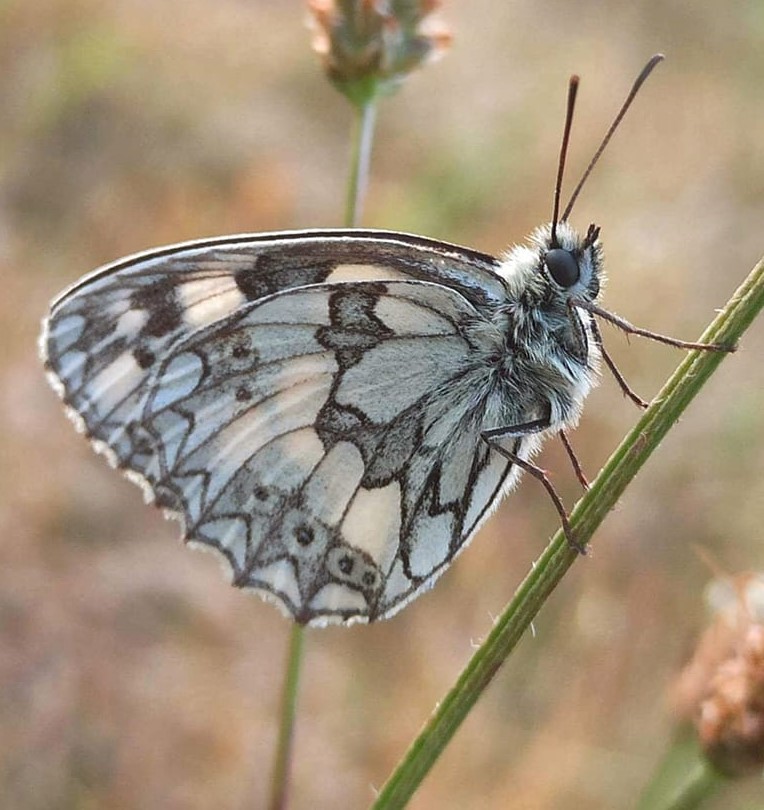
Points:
x=336 y=412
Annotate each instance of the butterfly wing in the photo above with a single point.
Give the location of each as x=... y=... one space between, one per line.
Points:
x=324 y=438
x=106 y=334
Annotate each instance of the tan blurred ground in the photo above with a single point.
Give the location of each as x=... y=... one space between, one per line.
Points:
x=131 y=674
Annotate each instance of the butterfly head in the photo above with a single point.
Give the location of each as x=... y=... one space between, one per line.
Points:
x=570 y=262
x=562 y=266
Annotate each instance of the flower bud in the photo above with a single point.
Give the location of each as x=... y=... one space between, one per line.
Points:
x=368 y=47
x=722 y=688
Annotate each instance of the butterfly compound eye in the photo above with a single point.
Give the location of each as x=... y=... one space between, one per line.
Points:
x=563 y=266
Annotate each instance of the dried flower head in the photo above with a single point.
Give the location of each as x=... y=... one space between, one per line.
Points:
x=722 y=688
x=368 y=47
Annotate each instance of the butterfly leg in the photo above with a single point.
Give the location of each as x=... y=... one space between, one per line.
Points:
x=630 y=329
x=492 y=438
x=577 y=468
x=614 y=370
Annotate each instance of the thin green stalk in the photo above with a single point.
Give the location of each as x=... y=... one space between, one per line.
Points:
x=281 y=767
x=699 y=784
x=684 y=779
x=360 y=158
x=589 y=512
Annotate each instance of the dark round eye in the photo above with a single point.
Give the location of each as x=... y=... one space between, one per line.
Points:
x=563 y=266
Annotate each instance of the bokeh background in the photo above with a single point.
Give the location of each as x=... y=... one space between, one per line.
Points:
x=131 y=674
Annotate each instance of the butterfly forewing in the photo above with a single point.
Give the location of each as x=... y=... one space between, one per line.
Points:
x=106 y=334
x=304 y=409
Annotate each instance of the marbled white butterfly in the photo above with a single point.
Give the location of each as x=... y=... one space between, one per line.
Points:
x=336 y=412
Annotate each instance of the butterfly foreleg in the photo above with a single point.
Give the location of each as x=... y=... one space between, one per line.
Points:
x=493 y=437
x=536 y=426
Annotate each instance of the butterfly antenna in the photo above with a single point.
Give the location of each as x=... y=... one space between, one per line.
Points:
x=572 y=91
x=645 y=72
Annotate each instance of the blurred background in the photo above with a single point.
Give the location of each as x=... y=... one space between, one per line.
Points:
x=131 y=674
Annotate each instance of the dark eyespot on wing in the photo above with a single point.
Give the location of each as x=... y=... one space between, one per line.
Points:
x=144 y=357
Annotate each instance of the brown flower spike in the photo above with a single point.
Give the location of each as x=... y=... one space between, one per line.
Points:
x=368 y=47
x=722 y=688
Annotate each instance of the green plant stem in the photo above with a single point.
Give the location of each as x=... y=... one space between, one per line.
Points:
x=699 y=784
x=281 y=767
x=360 y=159
x=589 y=512
x=684 y=779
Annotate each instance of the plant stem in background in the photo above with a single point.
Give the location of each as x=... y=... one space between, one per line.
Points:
x=699 y=784
x=589 y=512
x=360 y=158
x=684 y=780
x=281 y=767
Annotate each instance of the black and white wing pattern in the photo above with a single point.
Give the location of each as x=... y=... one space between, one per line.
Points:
x=308 y=404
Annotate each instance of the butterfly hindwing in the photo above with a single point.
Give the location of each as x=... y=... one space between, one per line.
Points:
x=321 y=439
